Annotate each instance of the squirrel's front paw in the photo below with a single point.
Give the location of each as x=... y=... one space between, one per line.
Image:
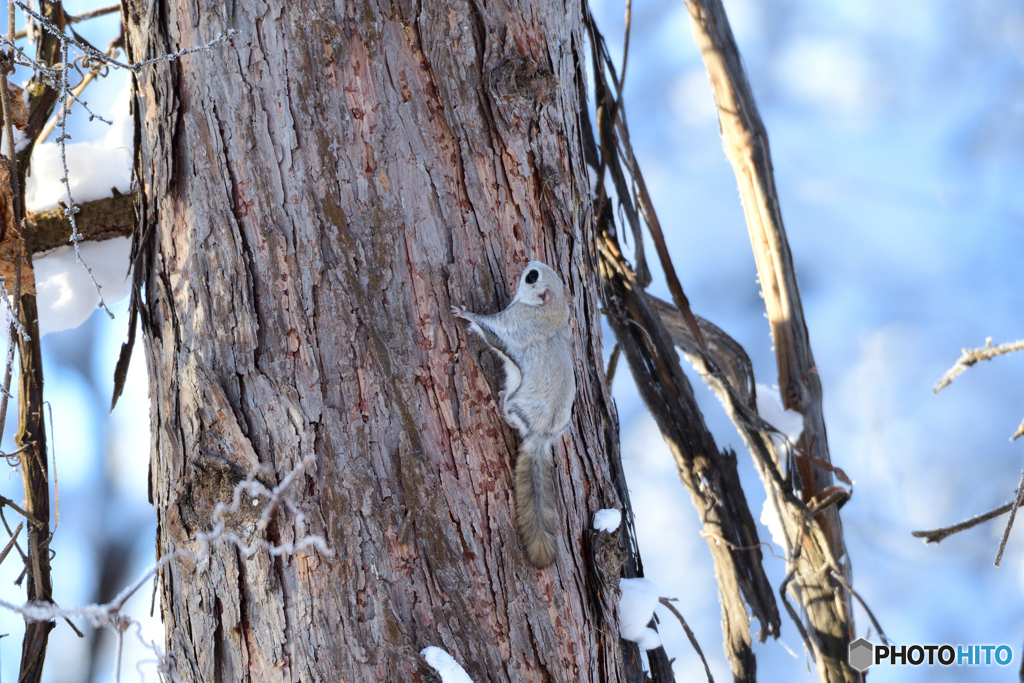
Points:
x=459 y=311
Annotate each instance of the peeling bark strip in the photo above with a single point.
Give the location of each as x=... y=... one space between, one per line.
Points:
x=827 y=604
x=319 y=192
x=709 y=476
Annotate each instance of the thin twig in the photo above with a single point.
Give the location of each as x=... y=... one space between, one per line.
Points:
x=120 y=648
x=10 y=544
x=613 y=363
x=74 y=628
x=1009 y=523
x=797 y=621
x=784 y=589
x=56 y=486
x=13 y=534
x=689 y=634
x=625 y=47
x=871 y=615
x=969 y=357
x=763 y=544
x=84 y=16
x=11 y=504
x=940 y=534
x=97 y=68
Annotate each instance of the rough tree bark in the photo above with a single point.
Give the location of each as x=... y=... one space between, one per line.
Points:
x=315 y=195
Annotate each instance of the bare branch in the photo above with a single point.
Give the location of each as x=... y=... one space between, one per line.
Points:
x=969 y=357
x=10 y=503
x=871 y=615
x=10 y=544
x=97 y=221
x=689 y=634
x=1009 y=523
x=92 y=14
x=78 y=18
x=708 y=474
x=938 y=535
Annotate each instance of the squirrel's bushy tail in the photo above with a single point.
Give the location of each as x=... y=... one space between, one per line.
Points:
x=535 y=505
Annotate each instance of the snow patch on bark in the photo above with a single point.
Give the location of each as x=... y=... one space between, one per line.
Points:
x=445 y=666
x=636 y=608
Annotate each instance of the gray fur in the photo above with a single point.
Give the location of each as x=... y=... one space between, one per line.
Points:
x=533 y=338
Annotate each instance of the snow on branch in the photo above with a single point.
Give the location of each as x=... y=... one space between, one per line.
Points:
x=636 y=609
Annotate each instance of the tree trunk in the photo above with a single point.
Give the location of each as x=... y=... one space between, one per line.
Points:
x=317 y=192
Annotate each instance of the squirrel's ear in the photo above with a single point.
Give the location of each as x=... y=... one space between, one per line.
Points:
x=546 y=295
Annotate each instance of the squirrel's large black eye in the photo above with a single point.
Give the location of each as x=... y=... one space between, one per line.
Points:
x=531 y=277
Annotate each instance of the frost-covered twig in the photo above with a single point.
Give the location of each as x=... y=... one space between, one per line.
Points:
x=969 y=357
x=276 y=496
x=76 y=92
x=72 y=209
x=134 y=67
x=109 y=615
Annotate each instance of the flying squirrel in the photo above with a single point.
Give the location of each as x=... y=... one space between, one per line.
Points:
x=533 y=338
